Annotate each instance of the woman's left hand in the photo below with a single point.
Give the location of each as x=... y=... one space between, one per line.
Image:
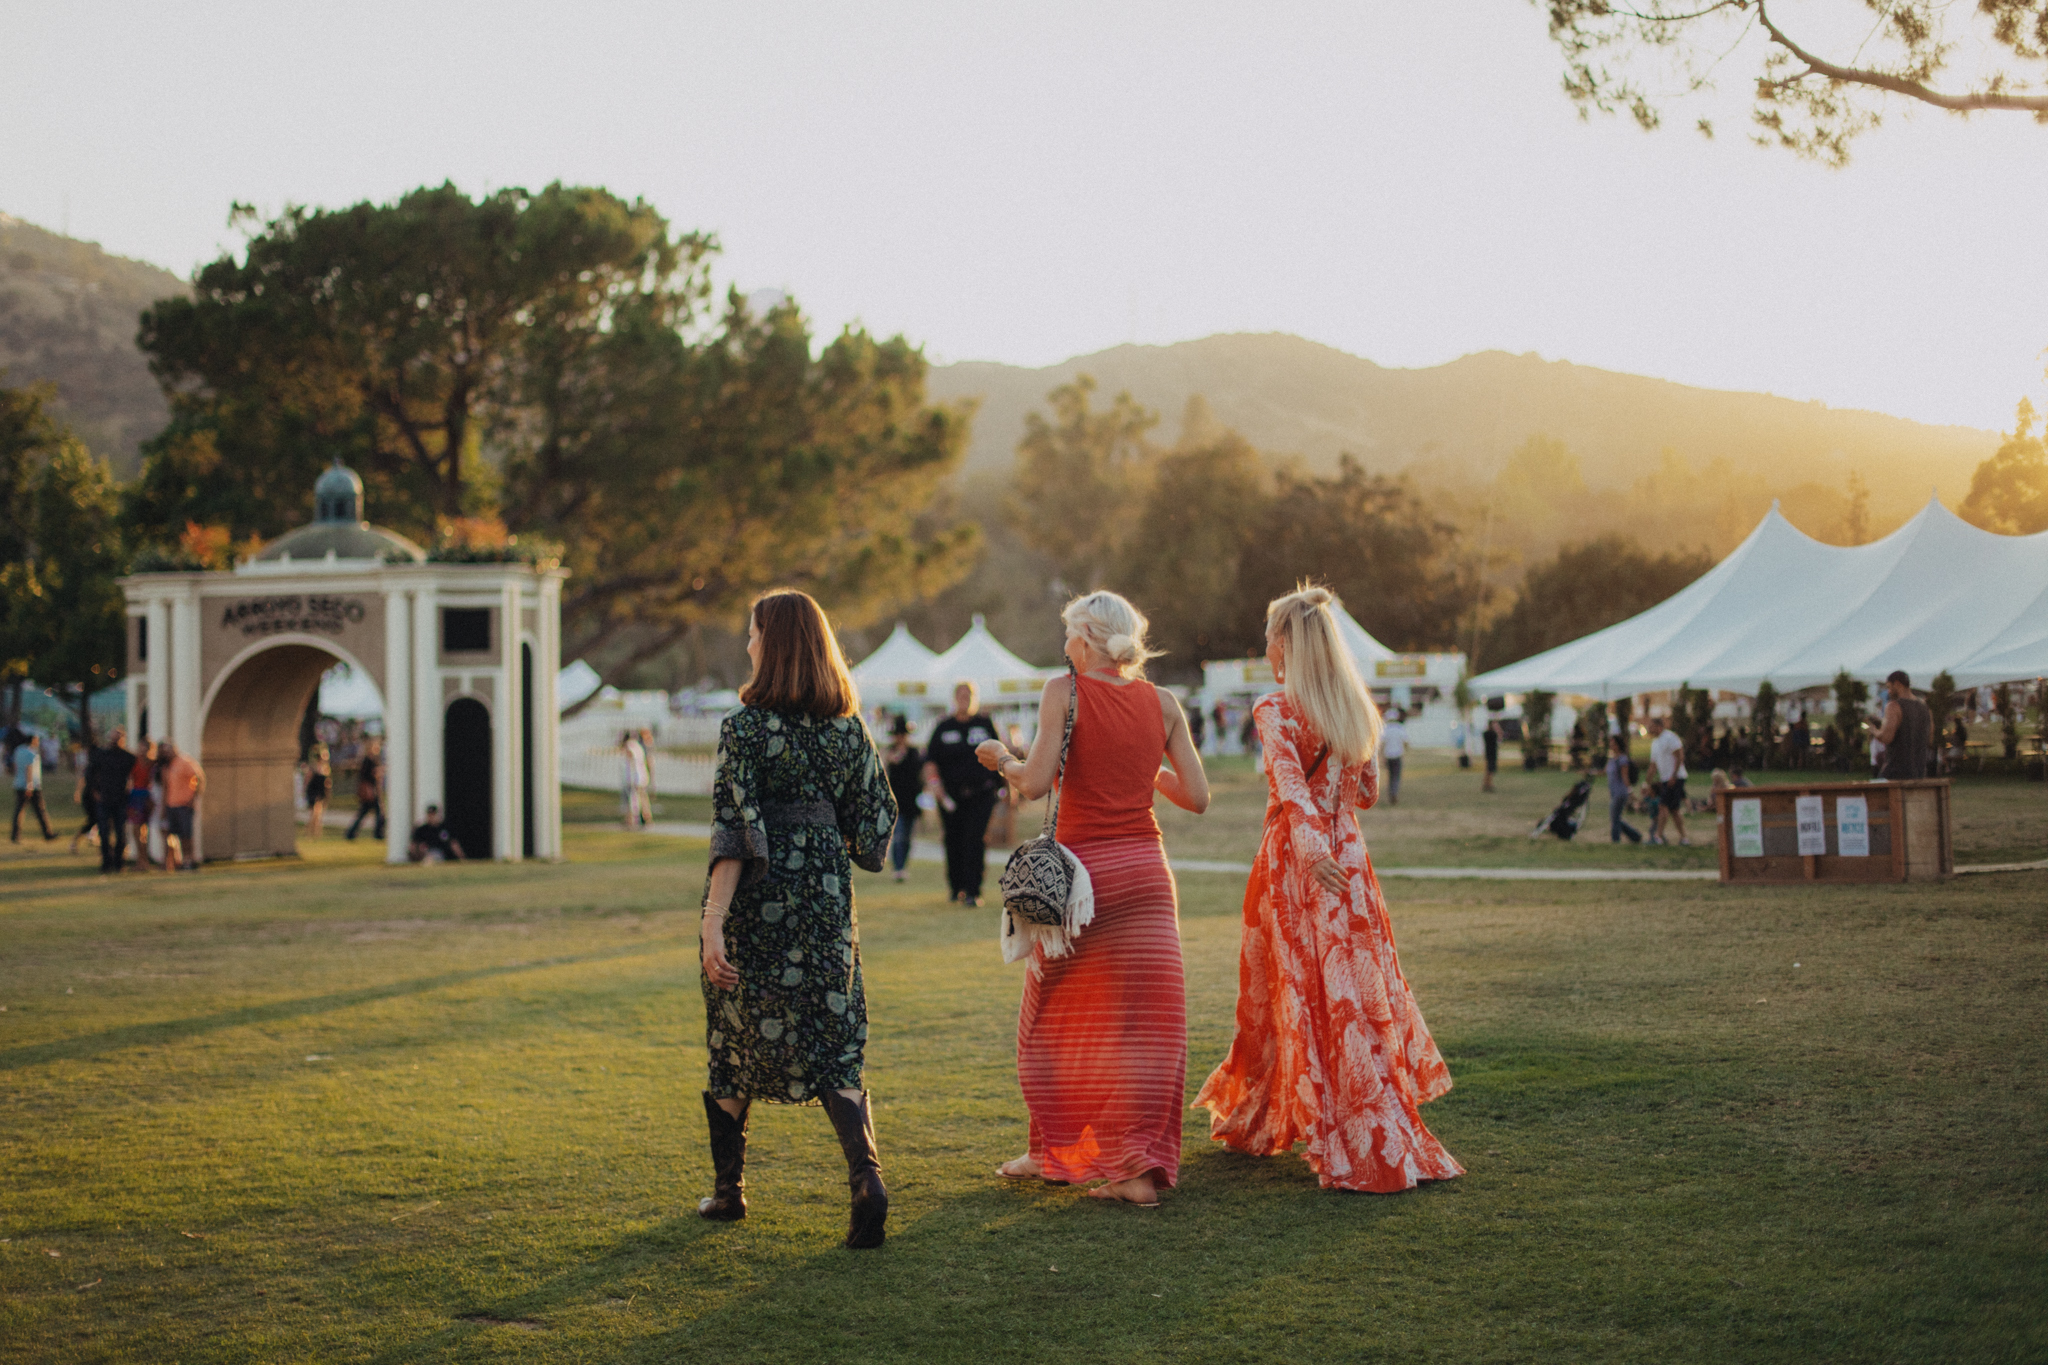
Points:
x=1329 y=875
x=991 y=753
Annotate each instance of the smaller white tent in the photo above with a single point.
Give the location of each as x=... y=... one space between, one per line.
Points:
x=1225 y=677
x=576 y=682
x=1935 y=595
x=998 y=675
x=897 y=672
x=1364 y=649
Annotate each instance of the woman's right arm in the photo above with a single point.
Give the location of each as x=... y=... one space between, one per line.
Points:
x=725 y=883
x=1185 y=783
x=1297 y=804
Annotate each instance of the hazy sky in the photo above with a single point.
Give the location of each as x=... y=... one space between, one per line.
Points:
x=1025 y=182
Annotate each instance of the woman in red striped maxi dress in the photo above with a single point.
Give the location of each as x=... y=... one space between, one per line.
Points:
x=1102 y=1033
x=1330 y=1050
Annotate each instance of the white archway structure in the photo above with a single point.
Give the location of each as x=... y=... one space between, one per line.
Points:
x=223 y=664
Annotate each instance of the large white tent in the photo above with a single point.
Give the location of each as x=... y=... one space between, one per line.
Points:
x=898 y=671
x=997 y=674
x=1936 y=594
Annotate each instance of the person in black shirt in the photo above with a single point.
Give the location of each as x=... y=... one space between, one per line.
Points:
x=1491 y=740
x=967 y=791
x=106 y=776
x=432 y=842
x=906 y=782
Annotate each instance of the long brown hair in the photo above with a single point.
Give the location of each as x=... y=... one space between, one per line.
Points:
x=801 y=668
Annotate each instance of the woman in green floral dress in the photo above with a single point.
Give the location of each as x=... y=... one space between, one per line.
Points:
x=799 y=798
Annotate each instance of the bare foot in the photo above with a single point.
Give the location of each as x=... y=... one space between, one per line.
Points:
x=1025 y=1167
x=1137 y=1190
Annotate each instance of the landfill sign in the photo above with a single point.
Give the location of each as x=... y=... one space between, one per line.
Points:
x=1852 y=826
x=1813 y=827
x=1749 y=827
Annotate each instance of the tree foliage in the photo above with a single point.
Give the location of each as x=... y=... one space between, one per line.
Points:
x=1081 y=476
x=548 y=365
x=752 y=464
x=404 y=339
x=1182 y=559
x=27 y=436
x=1763 y=723
x=2009 y=491
x=1369 y=538
x=1852 y=701
x=1204 y=535
x=1820 y=72
x=1584 y=588
x=62 y=613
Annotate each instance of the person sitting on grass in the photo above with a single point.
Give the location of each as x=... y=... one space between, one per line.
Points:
x=432 y=842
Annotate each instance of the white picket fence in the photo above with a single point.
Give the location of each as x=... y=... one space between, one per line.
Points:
x=600 y=768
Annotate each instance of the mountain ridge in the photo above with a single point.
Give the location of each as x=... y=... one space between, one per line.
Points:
x=1461 y=420
x=69 y=311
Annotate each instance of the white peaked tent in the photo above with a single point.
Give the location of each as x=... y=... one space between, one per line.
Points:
x=997 y=674
x=1366 y=650
x=1935 y=594
x=1254 y=676
x=898 y=671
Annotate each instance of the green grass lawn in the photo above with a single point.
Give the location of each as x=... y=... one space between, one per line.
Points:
x=330 y=1110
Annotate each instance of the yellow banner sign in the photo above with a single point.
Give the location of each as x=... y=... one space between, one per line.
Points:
x=1401 y=666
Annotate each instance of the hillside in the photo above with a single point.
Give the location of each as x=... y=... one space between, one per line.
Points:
x=1460 y=421
x=68 y=314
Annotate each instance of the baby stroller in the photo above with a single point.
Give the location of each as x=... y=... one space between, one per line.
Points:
x=1570 y=813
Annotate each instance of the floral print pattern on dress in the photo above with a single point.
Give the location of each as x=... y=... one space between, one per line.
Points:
x=797 y=1023
x=1331 y=1049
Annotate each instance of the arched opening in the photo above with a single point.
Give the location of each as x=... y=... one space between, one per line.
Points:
x=250 y=748
x=466 y=776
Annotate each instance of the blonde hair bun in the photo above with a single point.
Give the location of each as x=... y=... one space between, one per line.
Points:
x=1113 y=628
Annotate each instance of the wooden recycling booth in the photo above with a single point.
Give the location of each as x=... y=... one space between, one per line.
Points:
x=1836 y=832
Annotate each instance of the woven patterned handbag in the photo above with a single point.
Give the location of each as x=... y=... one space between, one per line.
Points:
x=1038 y=879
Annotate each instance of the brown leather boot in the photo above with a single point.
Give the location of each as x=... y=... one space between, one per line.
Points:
x=728 y=1201
x=854 y=1121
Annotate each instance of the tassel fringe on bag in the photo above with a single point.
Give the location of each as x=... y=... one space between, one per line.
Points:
x=1047 y=896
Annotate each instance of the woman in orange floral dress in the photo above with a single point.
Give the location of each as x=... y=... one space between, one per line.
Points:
x=1330 y=1047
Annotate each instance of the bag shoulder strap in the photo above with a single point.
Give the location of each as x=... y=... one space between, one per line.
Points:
x=1052 y=807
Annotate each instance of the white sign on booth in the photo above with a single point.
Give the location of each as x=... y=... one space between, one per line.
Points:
x=1813 y=827
x=1852 y=826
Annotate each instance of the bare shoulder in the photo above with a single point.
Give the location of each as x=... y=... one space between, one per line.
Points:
x=1169 y=705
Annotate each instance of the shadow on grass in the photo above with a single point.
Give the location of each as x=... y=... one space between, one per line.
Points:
x=172 y=1030
x=992 y=1273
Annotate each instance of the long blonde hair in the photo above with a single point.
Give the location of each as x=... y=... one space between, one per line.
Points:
x=1112 y=627
x=1322 y=681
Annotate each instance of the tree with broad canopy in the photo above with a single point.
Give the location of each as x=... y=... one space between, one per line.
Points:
x=549 y=364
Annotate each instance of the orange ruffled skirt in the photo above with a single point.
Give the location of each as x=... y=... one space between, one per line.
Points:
x=1330 y=1049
